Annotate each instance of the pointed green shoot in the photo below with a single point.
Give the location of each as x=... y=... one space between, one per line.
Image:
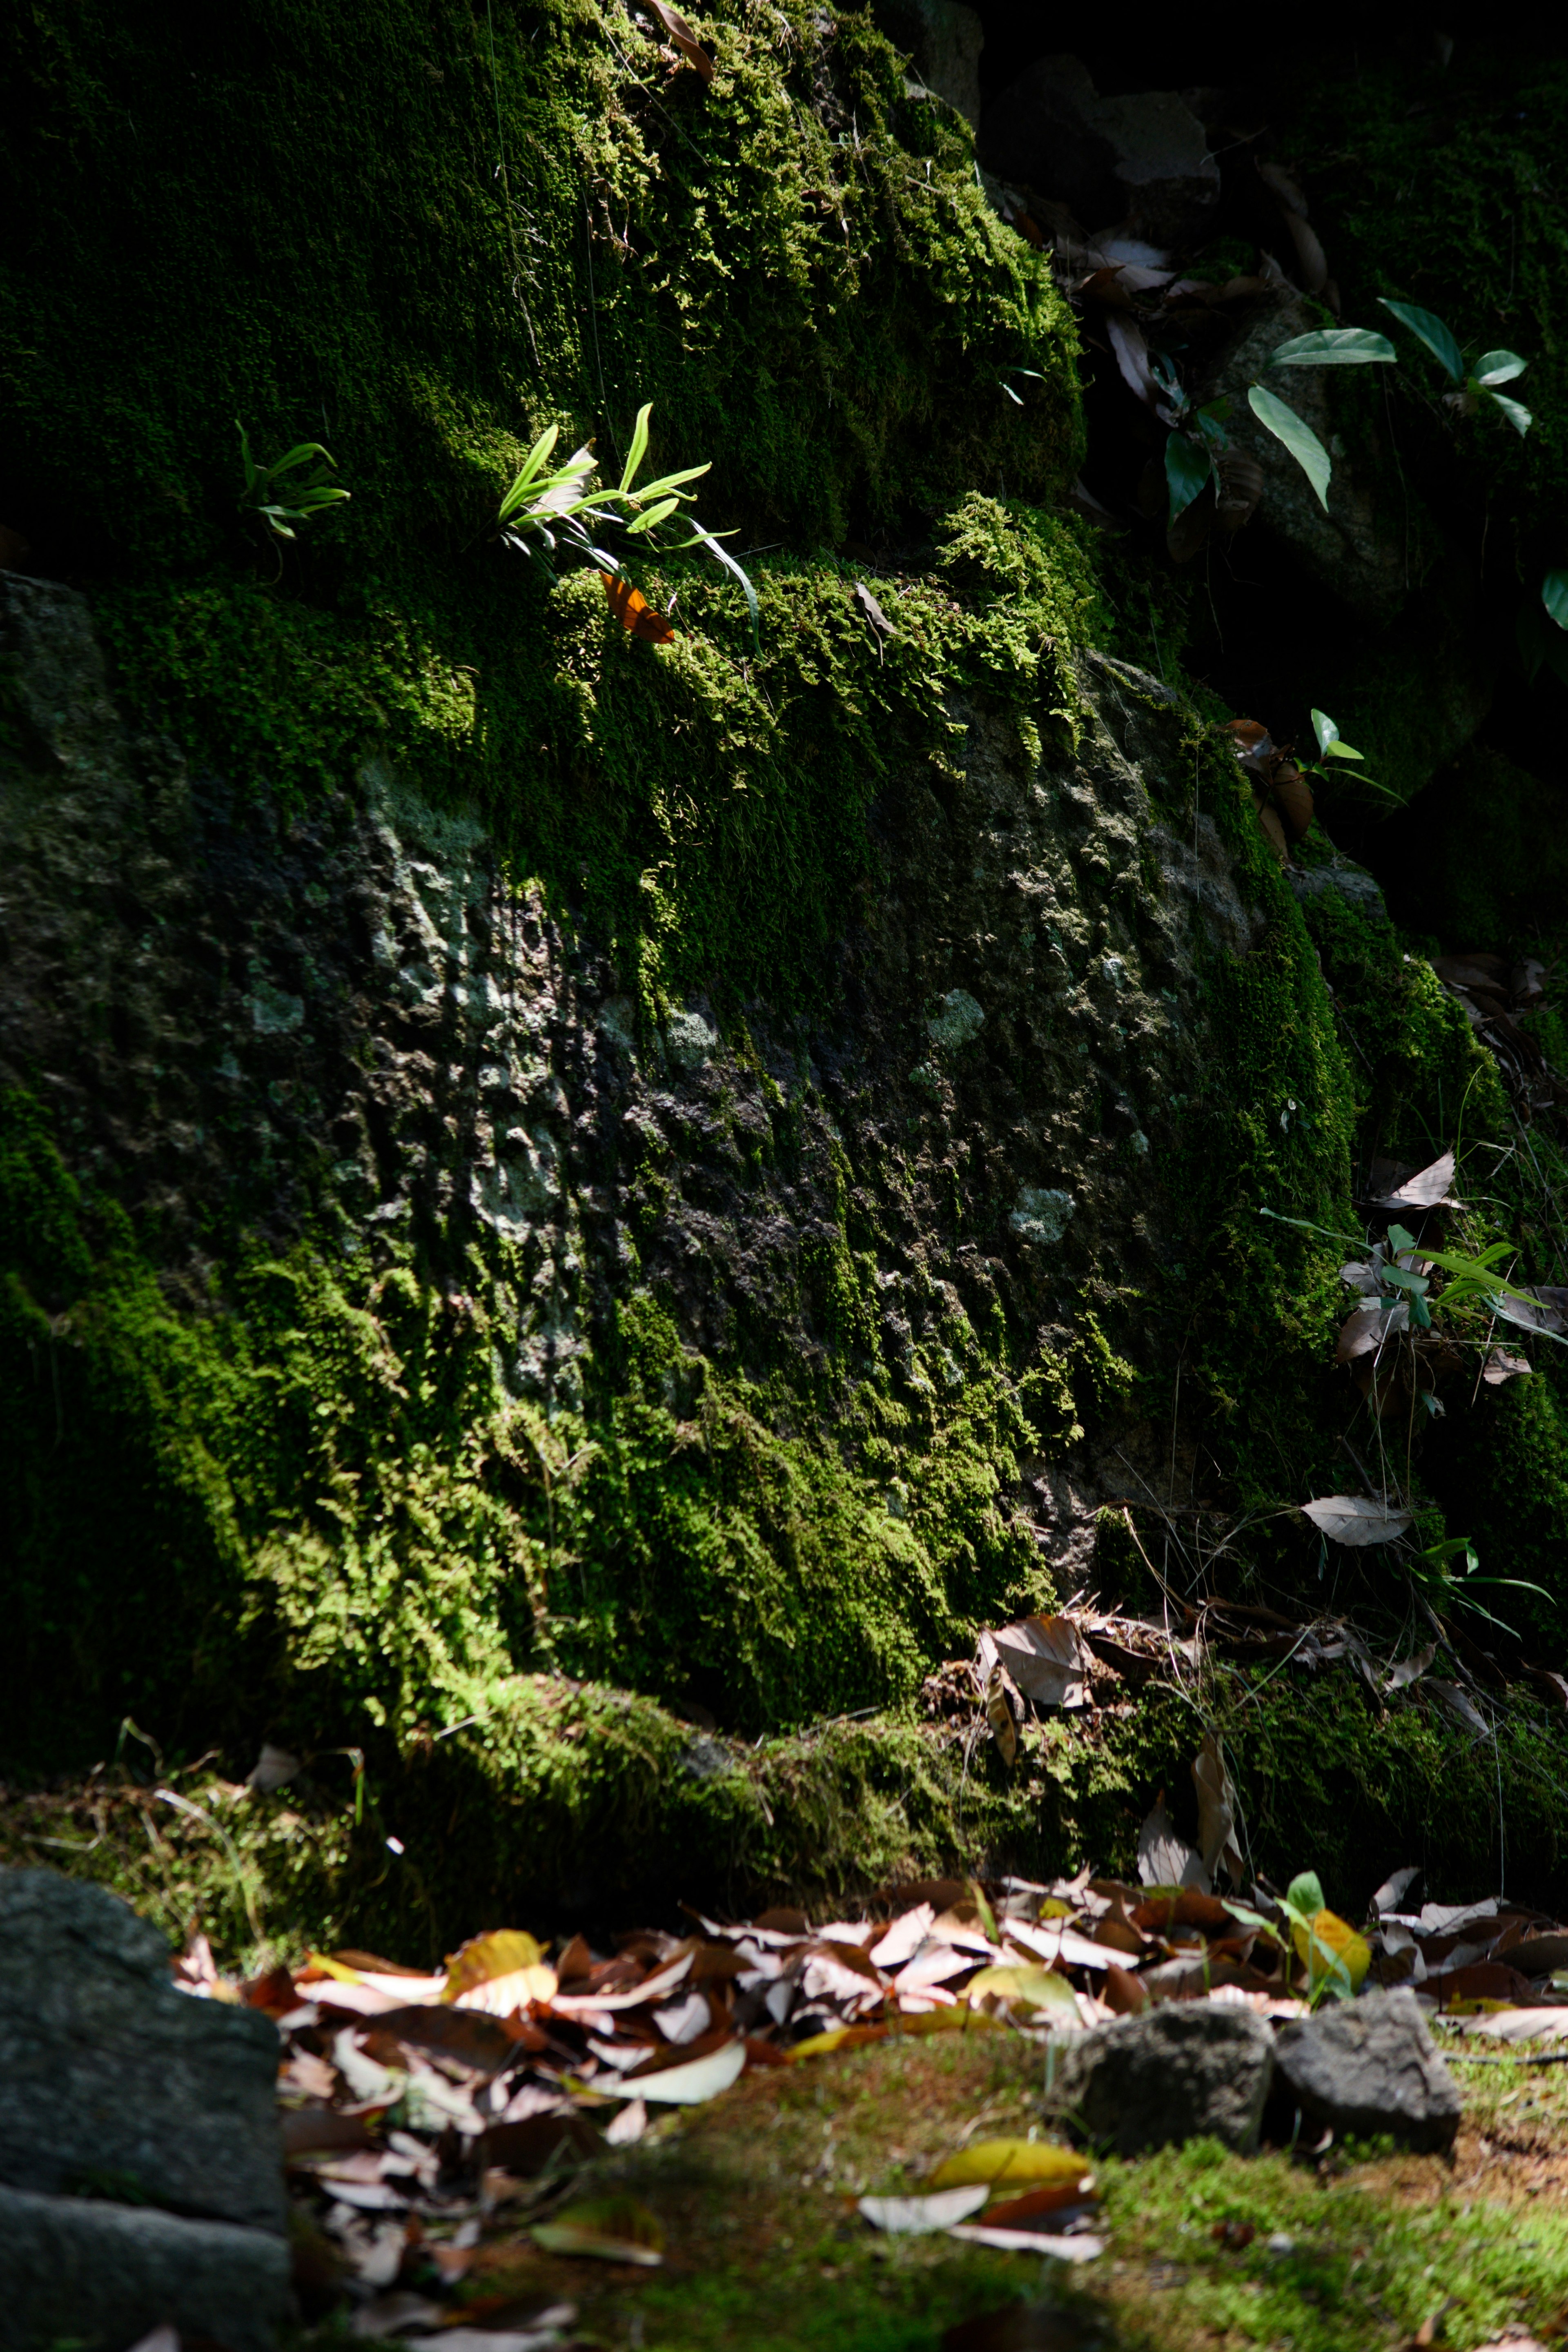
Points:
x=639 y=450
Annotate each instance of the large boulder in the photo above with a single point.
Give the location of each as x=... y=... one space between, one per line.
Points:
x=1188 y=2070
x=100 y=2276
x=113 y=2083
x=1371 y=2066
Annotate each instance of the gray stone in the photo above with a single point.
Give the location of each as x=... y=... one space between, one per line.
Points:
x=945 y=40
x=1339 y=876
x=1141 y=160
x=1371 y=2066
x=111 y=2081
x=102 y=2276
x=1188 y=2070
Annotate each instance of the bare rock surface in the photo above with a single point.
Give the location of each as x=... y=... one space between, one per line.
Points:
x=1144 y=157
x=100 y=2276
x=111 y=2082
x=1371 y=2066
x=1188 y=2070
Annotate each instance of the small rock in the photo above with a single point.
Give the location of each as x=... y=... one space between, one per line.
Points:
x=1370 y=2066
x=112 y=2082
x=75 y=2270
x=1189 y=2069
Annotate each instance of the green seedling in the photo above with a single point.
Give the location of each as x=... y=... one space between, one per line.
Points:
x=281 y=504
x=545 y=514
x=1472 y=384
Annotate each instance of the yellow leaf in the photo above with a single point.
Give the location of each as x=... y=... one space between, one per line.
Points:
x=837 y=2037
x=955 y=2018
x=1342 y=1940
x=1026 y=1988
x=1013 y=2161
x=499 y=1972
x=339 y=1969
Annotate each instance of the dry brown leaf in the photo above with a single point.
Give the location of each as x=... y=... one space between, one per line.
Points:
x=1240 y=487
x=1275 y=176
x=1218 y=1811
x=1357 y=1519
x=872 y=610
x=684 y=38
x=1273 y=833
x=1500 y=1364
x=1164 y=1857
x=1293 y=799
x=1410 y=1670
x=1003 y=1712
x=1132 y=357
x=1044 y=1658
x=1428 y=1189
x=1313 y=260
x=631 y=607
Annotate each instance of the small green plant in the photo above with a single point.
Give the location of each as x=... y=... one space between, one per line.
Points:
x=1334 y=1956
x=1324 y=347
x=1472 y=384
x=1331 y=745
x=544 y=514
x=1443 y=1586
x=279 y=505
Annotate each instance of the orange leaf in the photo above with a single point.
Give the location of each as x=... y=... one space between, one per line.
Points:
x=635 y=613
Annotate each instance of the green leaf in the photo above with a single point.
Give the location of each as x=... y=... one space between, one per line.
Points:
x=1013 y=395
x=531 y=466
x=1306 y=1893
x=723 y=556
x=1325 y=730
x=297 y=456
x=1186 y=471
x=1335 y=346
x=1437 y=338
x=1554 y=596
x=1518 y=415
x=1497 y=367
x=653 y=516
x=1298 y=438
x=639 y=446
x=672 y=481
x=1345 y=752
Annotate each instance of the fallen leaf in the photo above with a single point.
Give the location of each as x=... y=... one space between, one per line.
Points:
x=1451 y=1697
x=272 y=1768
x=1363 y=1332
x=1545 y=1308
x=627 y=2129
x=1293 y=799
x=698 y=2080
x=1499 y=1365
x=1241 y=479
x=919 y=2217
x=837 y=2037
x=614 y=2229
x=1003 y=1712
x=1235 y=2234
x=1023 y=1988
x=1132 y=357
x=684 y=38
x=1428 y=1189
x=1045 y=1657
x=633 y=611
x=1051 y=2197
x=1309 y=253
x=1394 y=1889
x=488 y=2339
x=1410 y=1670
x=161 y=2339
x=1273 y=833
x=1217 y=1812
x=1357 y=1519
x=527 y=2147
x=1327 y=1927
x=1124 y=1995
x=305 y=2129
x=1084 y=2248
x=1014 y=2161
x=1164 y=1857
x=872 y=610
x=471 y=2036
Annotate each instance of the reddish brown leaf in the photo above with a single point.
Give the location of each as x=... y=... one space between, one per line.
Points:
x=1123 y=1993
x=684 y=38
x=306 y=2130
x=1293 y=799
x=468 y=2036
x=635 y=613
x=526 y=2147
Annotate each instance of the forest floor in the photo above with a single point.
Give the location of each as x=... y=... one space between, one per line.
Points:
x=763 y=2246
